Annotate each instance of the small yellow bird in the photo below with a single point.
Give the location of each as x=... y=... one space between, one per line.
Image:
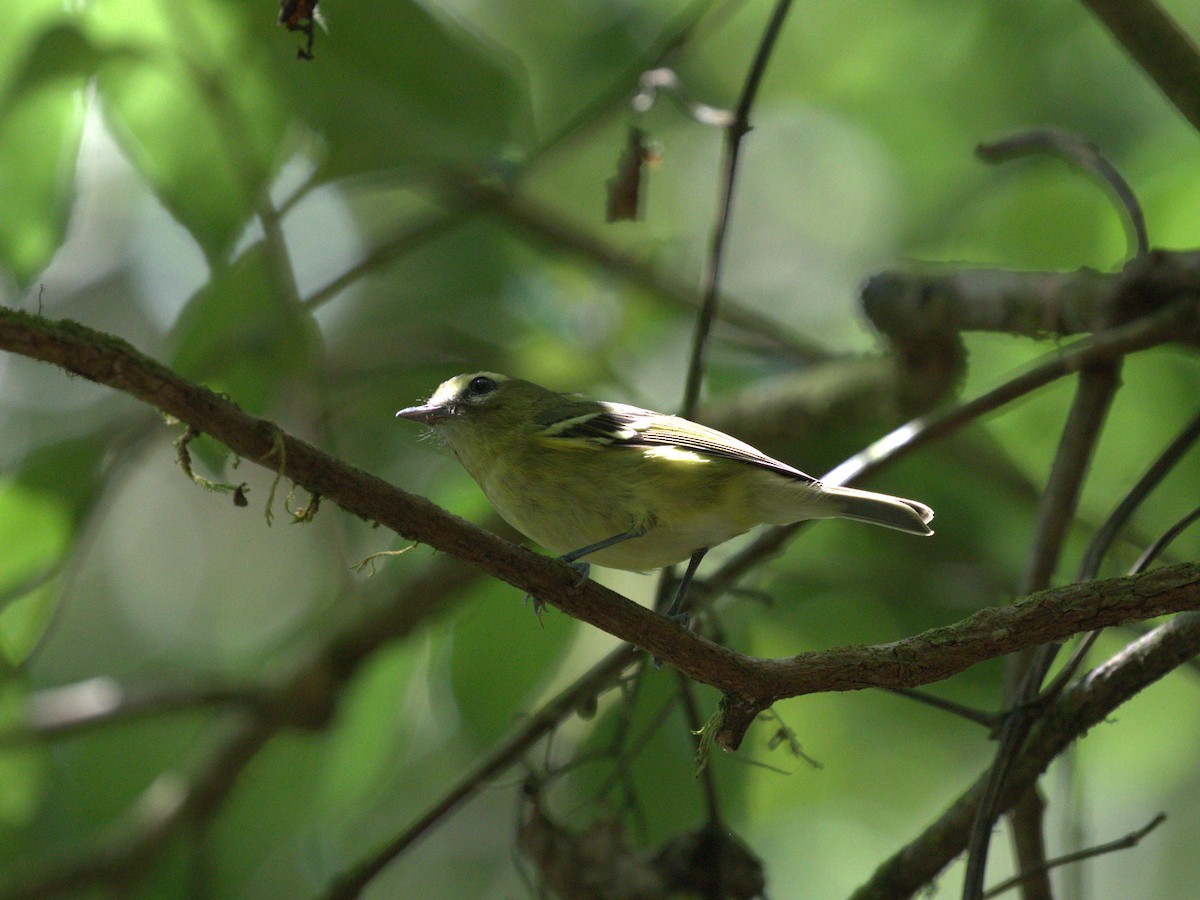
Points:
x=625 y=487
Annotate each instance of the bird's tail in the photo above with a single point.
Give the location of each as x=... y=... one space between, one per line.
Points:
x=880 y=509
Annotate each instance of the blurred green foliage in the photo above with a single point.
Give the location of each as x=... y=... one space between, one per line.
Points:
x=173 y=174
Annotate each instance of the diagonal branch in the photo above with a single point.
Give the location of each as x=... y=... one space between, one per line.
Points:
x=1159 y=46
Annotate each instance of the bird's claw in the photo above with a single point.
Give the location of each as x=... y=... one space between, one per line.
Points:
x=538 y=607
x=584 y=569
x=679 y=618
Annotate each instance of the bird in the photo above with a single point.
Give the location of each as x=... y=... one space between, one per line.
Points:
x=624 y=487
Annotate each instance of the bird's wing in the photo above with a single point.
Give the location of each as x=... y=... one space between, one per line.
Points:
x=592 y=424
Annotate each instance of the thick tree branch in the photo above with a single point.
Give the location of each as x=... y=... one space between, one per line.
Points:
x=751 y=685
x=1046 y=617
x=912 y=305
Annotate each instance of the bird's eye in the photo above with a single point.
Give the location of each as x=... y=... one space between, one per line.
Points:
x=481 y=385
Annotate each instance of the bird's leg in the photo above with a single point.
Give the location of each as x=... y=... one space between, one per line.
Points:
x=635 y=532
x=673 y=612
x=572 y=559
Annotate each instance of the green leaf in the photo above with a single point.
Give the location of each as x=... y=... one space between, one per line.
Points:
x=194 y=111
x=25 y=620
x=35 y=527
x=238 y=335
x=68 y=470
x=501 y=657
x=62 y=51
x=33 y=532
x=41 y=122
x=370 y=732
x=392 y=85
x=39 y=139
x=22 y=769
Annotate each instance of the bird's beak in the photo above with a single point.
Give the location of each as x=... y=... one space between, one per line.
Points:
x=429 y=414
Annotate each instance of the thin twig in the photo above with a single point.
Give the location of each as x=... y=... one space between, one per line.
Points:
x=59 y=712
x=666 y=79
x=1130 y=840
x=1159 y=469
x=1098 y=546
x=988 y=720
x=1160 y=544
x=695 y=723
x=1085 y=420
x=408 y=237
x=733 y=143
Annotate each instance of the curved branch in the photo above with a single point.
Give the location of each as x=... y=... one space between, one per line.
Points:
x=1085 y=156
x=1046 y=617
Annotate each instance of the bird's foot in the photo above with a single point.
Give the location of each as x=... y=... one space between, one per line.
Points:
x=679 y=618
x=584 y=569
x=538 y=607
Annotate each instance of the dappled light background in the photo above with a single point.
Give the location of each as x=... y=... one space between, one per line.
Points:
x=173 y=175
